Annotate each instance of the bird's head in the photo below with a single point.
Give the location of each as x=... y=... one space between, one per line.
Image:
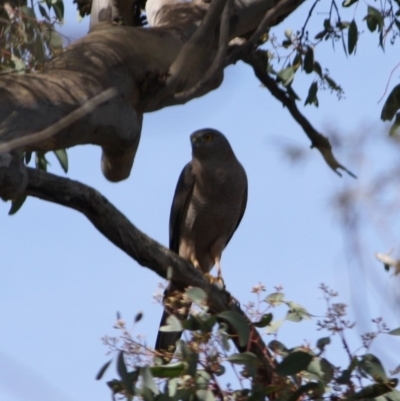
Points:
x=209 y=143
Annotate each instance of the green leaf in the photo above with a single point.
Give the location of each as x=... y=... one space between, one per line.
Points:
x=332 y=84
x=138 y=317
x=43 y=12
x=372 y=23
x=395 y=332
x=277 y=347
x=348 y=3
x=353 y=36
x=148 y=380
x=317 y=68
x=372 y=366
x=294 y=363
x=16 y=204
x=264 y=321
x=392 y=104
x=168 y=371
x=375 y=15
x=373 y=391
x=321 y=368
x=202 y=379
x=103 y=370
x=244 y=358
x=62 y=157
x=58 y=8
x=173 y=324
x=296 y=312
x=121 y=367
x=197 y=295
x=309 y=60
x=323 y=342
x=320 y=35
x=172 y=387
x=239 y=323
x=274 y=326
x=393 y=130
x=205 y=395
x=275 y=299
x=308 y=388
x=327 y=24
x=41 y=161
x=312 y=95
x=286 y=75
x=292 y=94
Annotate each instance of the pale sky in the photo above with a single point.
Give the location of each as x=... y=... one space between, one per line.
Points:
x=62 y=282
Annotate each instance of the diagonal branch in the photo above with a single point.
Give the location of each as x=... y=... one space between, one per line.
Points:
x=146 y=251
x=317 y=140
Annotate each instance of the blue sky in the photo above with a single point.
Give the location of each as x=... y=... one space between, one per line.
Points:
x=62 y=282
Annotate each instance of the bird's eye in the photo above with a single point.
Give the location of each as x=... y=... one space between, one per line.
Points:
x=208 y=137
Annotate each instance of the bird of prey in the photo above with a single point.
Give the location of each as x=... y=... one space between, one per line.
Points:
x=209 y=202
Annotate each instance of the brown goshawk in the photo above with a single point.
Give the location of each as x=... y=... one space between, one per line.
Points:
x=208 y=205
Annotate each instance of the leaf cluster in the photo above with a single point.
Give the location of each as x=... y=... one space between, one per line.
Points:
x=204 y=359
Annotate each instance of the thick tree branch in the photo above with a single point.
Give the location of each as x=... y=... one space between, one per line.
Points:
x=317 y=140
x=147 y=67
x=217 y=65
x=273 y=16
x=146 y=251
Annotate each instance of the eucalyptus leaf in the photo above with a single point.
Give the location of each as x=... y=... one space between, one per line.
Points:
x=277 y=347
x=395 y=332
x=392 y=104
x=148 y=380
x=309 y=60
x=103 y=370
x=264 y=321
x=239 y=323
x=197 y=295
x=312 y=95
x=168 y=371
x=372 y=366
x=294 y=363
x=275 y=299
x=16 y=204
x=353 y=36
x=62 y=157
x=173 y=324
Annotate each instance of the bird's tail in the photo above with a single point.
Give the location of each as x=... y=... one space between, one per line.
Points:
x=174 y=305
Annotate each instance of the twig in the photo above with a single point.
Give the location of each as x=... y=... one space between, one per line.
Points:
x=69 y=119
x=388 y=82
x=317 y=140
x=308 y=18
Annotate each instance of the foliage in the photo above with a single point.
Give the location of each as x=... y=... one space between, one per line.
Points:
x=297 y=50
x=205 y=363
x=26 y=43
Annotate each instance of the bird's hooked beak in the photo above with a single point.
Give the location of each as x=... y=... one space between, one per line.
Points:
x=196 y=140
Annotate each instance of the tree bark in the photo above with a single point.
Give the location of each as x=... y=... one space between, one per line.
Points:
x=151 y=68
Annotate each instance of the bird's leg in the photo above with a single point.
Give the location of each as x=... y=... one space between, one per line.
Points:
x=218 y=281
x=195 y=262
x=218 y=267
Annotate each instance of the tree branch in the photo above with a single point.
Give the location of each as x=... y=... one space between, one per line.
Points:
x=217 y=65
x=317 y=140
x=273 y=16
x=146 y=251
